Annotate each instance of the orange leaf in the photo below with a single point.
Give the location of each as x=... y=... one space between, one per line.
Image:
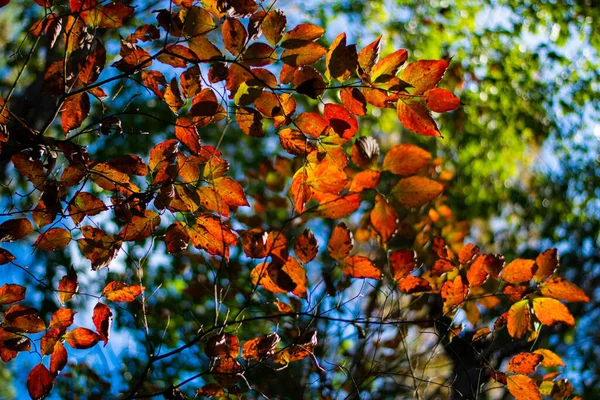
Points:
x=562 y=289
x=191 y=82
x=81 y=205
x=550 y=359
x=341 y=242
x=173 y=97
x=402 y=263
x=326 y=177
x=415 y=191
x=102 y=319
x=518 y=319
x=230 y=191
x=423 y=75
x=389 y=64
x=82 y=338
x=523 y=387
x=11 y=293
x=413 y=284
x=278 y=278
x=62 y=318
x=259 y=54
x=297 y=351
x=454 y=292
x=222 y=345
x=341 y=60
x=302 y=32
x=140 y=228
x=15 y=229
x=550 y=311
x=333 y=206
x=306 y=246
x=187 y=134
x=211 y=390
x=477 y=274
x=369 y=56
x=440 y=100
x=53 y=239
x=177 y=238
x=74 y=111
x=226 y=371
x=405 y=159
x=120 y=292
x=360 y=267
x=59 y=358
x=365 y=180
x=295 y=143
x=260 y=347
x=520 y=270
x=547 y=263
x=414 y=116
x=311 y=124
x=354 y=100
x=384 y=218
x=39 y=382
x=524 y=363
x=277 y=246
x=177 y=56
x=442 y=266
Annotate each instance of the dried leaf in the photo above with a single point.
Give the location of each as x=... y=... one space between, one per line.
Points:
x=15 y=229
x=547 y=263
x=260 y=347
x=520 y=270
x=306 y=246
x=53 y=239
x=524 y=363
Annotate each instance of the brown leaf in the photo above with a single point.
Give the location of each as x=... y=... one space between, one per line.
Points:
x=341 y=60
x=306 y=247
x=53 y=239
x=81 y=205
x=547 y=263
x=15 y=229
x=260 y=347
x=297 y=352
x=24 y=318
x=354 y=100
x=177 y=56
x=222 y=345
x=402 y=263
x=212 y=235
x=341 y=242
x=58 y=359
x=369 y=56
x=273 y=25
x=234 y=36
x=423 y=75
x=177 y=238
x=5 y=257
x=303 y=52
x=360 y=267
x=120 y=292
x=413 y=284
x=140 y=228
x=62 y=318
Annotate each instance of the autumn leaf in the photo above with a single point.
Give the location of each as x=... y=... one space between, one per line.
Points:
x=519 y=270
x=24 y=318
x=413 y=284
x=415 y=191
x=302 y=32
x=82 y=338
x=454 y=292
x=53 y=239
x=477 y=273
x=550 y=359
x=334 y=206
x=11 y=293
x=281 y=278
x=523 y=387
x=260 y=347
x=369 y=56
x=234 y=36
x=405 y=159
x=384 y=218
x=524 y=363
x=550 y=311
x=423 y=75
x=440 y=100
x=561 y=289
x=222 y=345
x=360 y=267
x=518 y=319
x=84 y=204
x=414 y=116
x=230 y=191
x=365 y=180
x=547 y=263
x=273 y=25
x=297 y=352
x=341 y=242
x=120 y=292
x=15 y=229
x=39 y=382
x=342 y=121
x=75 y=110
x=212 y=235
x=306 y=246
x=58 y=359
x=102 y=318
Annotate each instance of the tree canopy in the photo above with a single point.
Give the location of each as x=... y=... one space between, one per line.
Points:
x=227 y=199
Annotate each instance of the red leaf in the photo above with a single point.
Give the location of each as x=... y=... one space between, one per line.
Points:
x=302 y=32
x=102 y=318
x=82 y=338
x=177 y=238
x=454 y=292
x=414 y=116
x=58 y=359
x=424 y=74
x=413 y=284
x=440 y=100
x=405 y=159
x=341 y=120
x=39 y=382
x=402 y=263
x=212 y=235
x=187 y=134
x=74 y=111
x=62 y=318
x=311 y=124
x=11 y=293
x=53 y=239
x=222 y=345
x=24 y=318
x=230 y=191
x=547 y=263
x=524 y=363
x=120 y=292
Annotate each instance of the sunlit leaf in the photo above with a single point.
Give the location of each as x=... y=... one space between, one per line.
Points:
x=415 y=191
x=58 y=359
x=11 y=293
x=303 y=52
x=260 y=347
x=306 y=246
x=82 y=338
x=454 y=292
x=39 y=382
x=562 y=289
x=402 y=263
x=297 y=352
x=15 y=229
x=369 y=56
x=120 y=292
x=273 y=25
x=547 y=263
x=360 y=267
x=389 y=64
x=413 y=284
x=222 y=345
x=177 y=238
x=414 y=116
x=384 y=218
x=230 y=191
x=519 y=270
x=309 y=81
x=424 y=74
x=341 y=60
x=523 y=387
x=341 y=120
x=550 y=359
x=518 y=319
x=524 y=363
x=550 y=311
x=53 y=239
x=467 y=253
x=365 y=180
x=334 y=206
x=477 y=274
x=302 y=32
x=354 y=100
x=102 y=319
x=140 y=227
x=440 y=100
x=24 y=318
x=212 y=235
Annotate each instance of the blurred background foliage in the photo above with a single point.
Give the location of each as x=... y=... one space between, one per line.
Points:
x=524 y=152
